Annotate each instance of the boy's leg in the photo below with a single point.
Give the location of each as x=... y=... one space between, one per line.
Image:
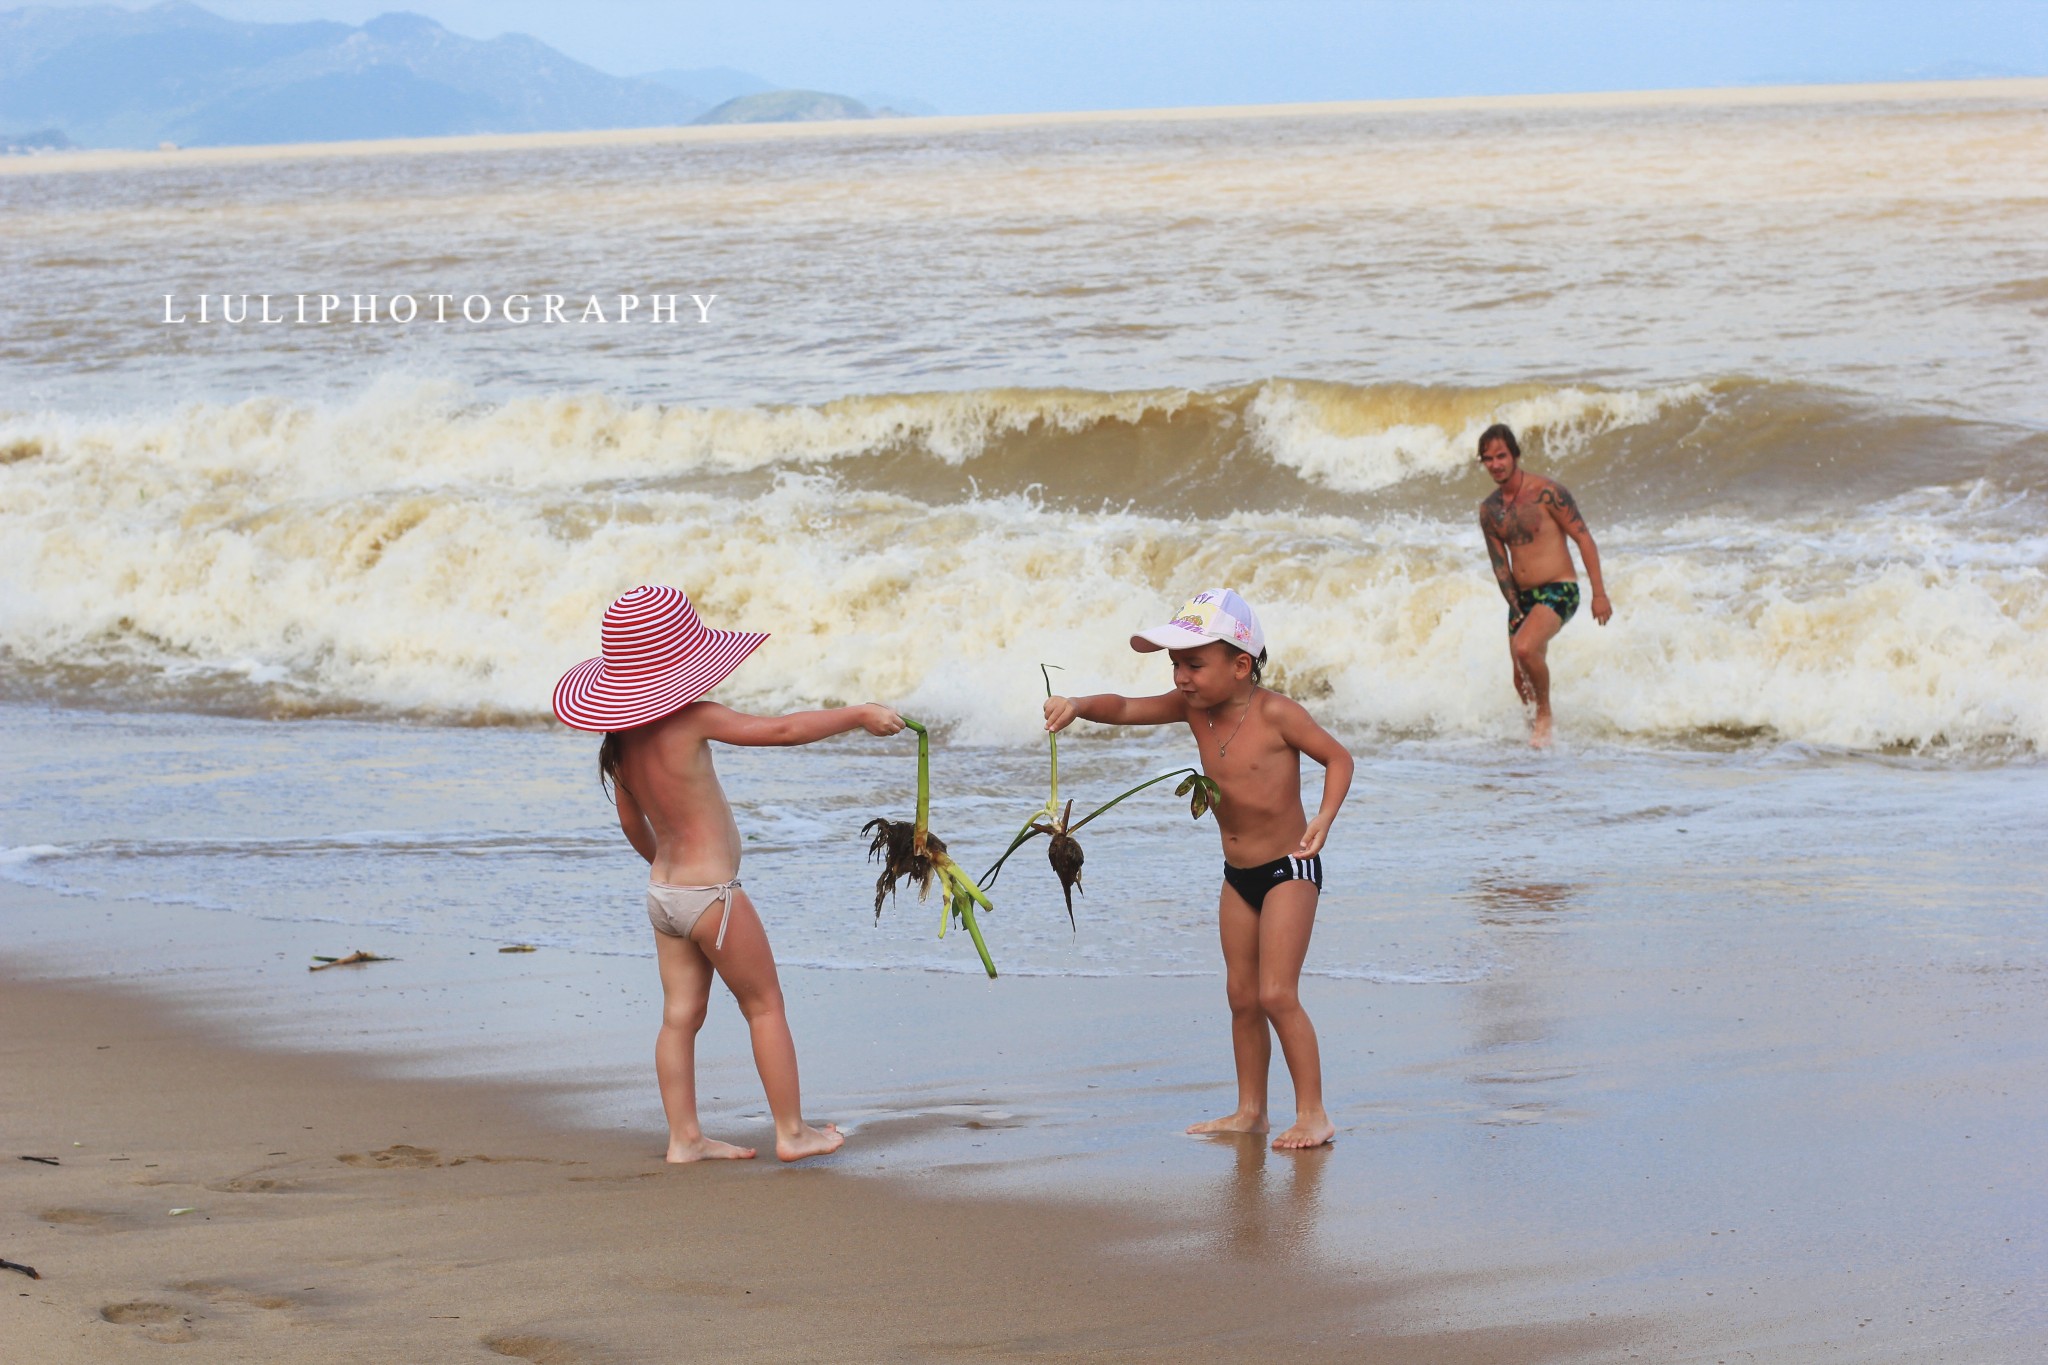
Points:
x=685 y=992
x=747 y=966
x=1250 y=1043
x=1531 y=646
x=1289 y=918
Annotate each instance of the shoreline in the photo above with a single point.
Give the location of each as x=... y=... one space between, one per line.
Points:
x=104 y=159
x=335 y=1209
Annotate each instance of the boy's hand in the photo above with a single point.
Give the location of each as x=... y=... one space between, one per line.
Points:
x=1059 y=713
x=878 y=719
x=1312 y=837
x=1602 y=608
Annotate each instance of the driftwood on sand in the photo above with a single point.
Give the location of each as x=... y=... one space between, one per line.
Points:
x=321 y=964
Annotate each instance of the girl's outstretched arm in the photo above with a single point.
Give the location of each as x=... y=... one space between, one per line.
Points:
x=728 y=726
x=1107 y=708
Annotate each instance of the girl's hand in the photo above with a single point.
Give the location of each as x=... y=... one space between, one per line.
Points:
x=1059 y=713
x=878 y=719
x=1312 y=837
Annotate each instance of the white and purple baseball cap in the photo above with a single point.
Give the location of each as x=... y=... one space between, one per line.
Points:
x=1214 y=614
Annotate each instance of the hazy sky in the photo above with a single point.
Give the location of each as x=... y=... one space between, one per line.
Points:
x=995 y=56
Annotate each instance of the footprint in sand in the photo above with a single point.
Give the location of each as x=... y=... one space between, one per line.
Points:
x=216 y=1293
x=255 y=1184
x=541 y=1350
x=158 y=1321
x=394 y=1157
x=85 y=1220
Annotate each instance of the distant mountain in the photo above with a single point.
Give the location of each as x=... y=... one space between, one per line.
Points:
x=896 y=106
x=28 y=144
x=787 y=106
x=174 y=72
x=711 y=85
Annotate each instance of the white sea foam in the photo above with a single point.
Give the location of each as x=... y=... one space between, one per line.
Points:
x=456 y=564
x=1358 y=442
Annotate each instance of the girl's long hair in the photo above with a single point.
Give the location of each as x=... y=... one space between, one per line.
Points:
x=609 y=754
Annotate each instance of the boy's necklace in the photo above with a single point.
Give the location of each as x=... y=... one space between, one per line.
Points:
x=1224 y=748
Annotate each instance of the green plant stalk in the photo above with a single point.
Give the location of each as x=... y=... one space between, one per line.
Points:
x=1177 y=772
x=1024 y=835
x=1052 y=802
x=962 y=893
x=924 y=775
x=965 y=894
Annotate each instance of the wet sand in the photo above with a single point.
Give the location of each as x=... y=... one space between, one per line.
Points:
x=1807 y=1148
x=336 y=1213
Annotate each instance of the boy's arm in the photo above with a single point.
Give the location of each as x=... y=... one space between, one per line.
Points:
x=1566 y=513
x=728 y=726
x=1107 y=708
x=634 y=821
x=1300 y=731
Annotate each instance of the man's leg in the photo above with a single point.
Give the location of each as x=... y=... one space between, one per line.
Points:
x=1250 y=1044
x=1530 y=646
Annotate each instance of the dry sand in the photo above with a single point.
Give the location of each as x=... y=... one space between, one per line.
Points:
x=341 y=1215
x=2033 y=89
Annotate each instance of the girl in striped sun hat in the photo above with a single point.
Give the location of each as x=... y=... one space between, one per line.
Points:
x=645 y=692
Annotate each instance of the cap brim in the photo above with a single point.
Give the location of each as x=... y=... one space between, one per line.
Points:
x=1169 y=637
x=589 y=698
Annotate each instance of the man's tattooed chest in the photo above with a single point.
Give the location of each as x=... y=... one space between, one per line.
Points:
x=1514 y=525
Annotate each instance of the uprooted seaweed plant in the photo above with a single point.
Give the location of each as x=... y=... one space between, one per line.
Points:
x=1063 y=850
x=910 y=852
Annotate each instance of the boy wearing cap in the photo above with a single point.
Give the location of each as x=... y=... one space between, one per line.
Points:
x=1251 y=740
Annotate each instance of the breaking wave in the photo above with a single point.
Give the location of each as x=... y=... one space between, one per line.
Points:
x=1787 y=562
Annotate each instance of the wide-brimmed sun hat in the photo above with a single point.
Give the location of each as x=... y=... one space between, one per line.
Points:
x=1214 y=614
x=658 y=658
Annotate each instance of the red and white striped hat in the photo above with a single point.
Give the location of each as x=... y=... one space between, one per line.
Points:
x=658 y=658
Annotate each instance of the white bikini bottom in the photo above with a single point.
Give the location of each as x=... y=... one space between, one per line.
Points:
x=675 y=910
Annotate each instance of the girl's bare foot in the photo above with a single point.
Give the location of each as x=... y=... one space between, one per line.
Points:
x=1239 y=1122
x=809 y=1141
x=1540 y=731
x=707 y=1149
x=1313 y=1132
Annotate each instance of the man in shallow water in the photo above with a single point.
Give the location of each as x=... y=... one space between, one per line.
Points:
x=1527 y=521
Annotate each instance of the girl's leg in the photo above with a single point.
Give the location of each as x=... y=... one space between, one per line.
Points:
x=685 y=991
x=747 y=966
x=1250 y=1043
x=1284 y=927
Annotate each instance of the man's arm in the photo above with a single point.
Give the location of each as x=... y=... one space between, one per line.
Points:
x=1107 y=708
x=1503 y=568
x=1565 y=512
x=1300 y=730
x=728 y=726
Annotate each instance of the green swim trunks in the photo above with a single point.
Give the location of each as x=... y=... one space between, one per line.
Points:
x=1562 y=598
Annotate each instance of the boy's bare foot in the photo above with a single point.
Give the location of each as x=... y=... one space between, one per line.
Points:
x=707 y=1149
x=1239 y=1122
x=1306 y=1133
x=809 y=1141
x=1539 y=731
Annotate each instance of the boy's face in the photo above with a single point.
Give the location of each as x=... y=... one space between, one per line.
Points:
x=1210 y=674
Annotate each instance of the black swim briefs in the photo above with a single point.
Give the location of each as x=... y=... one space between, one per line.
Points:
x=1254 y=882
x=1562 y=598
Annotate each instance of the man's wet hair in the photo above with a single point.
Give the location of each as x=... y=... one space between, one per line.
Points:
x=1502 y=432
